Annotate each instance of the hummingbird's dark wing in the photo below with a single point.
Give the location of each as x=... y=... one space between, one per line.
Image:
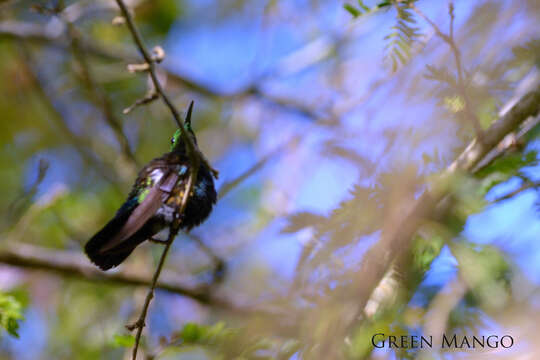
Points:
x=134 y=223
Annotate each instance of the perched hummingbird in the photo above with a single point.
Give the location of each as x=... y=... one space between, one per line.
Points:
x=154 y=203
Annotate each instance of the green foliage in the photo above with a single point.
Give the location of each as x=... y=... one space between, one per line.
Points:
x=505 y=167
x=424 y=251
x=363 y=9
x=230 y=343
x=123 y=340
x=159 y=15
x=404 y=33
x=352 y=10
x=11 y=312
x=487 y=273
x=527 y=54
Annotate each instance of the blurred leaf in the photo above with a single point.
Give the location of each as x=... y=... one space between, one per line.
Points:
x=486 y=272
x=528 y=53
x=440 y=74
x=159 y=15
x=454 y=104
x=10 y=314
x=509 y=164
x=363 y=6
x=403 y=36
x=123 y=340
x=302 y=220
x=352 y=10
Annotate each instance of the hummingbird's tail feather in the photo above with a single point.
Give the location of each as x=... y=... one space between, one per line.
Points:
x=132 y=225
x=105 y=256
x=106 y=249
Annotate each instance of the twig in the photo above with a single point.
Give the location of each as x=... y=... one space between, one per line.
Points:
x=21 y=203
x=39 y=34
x=72 y=264
x=145 y=100
x=219 y=266
x=195 y=159
x=192 y=150
x=231 y=184
x=449 y=39
x=140 y=323
x=59 y=113
x=98 y=95
x=173 y=231
x=438 y=312
x=526 y=186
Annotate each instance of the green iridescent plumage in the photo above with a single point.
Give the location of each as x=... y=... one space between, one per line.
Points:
x=154 y=202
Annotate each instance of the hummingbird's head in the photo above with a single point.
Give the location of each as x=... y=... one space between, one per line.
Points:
x=177 y=144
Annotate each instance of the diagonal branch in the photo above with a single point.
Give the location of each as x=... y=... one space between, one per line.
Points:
x=397 y=234
x=97 y=94
x=59 y=113
x=228 y=186
x=449 y=39
x=526 y=186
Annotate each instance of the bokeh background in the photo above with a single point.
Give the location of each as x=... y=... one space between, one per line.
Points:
x=322 y=120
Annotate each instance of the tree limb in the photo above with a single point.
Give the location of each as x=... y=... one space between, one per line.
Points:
x=397 y=234
x=73 y=265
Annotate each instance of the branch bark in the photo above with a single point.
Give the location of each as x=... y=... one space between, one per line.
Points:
x=73 y=265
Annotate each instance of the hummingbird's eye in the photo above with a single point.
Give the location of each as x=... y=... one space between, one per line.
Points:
x=172 y=140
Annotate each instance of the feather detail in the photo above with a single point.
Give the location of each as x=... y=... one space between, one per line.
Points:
x=149 y=206
x=131 y=226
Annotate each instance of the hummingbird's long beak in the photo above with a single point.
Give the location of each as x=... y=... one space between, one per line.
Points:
x=188 y=116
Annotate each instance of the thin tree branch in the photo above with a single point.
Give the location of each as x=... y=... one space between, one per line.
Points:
x=38 y=34
x=72 y=264
x=192 y=149
x=59 y=114
x=438 y=312
x=195 y=159
x=22 y=201
x=449 y=39
x=231 y=184
x=140 y=323
x=98 y=95
x=173 y=231
x=526 y=186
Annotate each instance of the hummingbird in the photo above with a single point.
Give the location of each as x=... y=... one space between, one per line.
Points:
x=154 y=203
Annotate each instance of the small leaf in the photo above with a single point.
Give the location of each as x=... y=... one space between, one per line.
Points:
x=123 y=340
x=192 y=333
x=10 y=314
x=363 y=6
x=352 y=10
x=454 y=104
